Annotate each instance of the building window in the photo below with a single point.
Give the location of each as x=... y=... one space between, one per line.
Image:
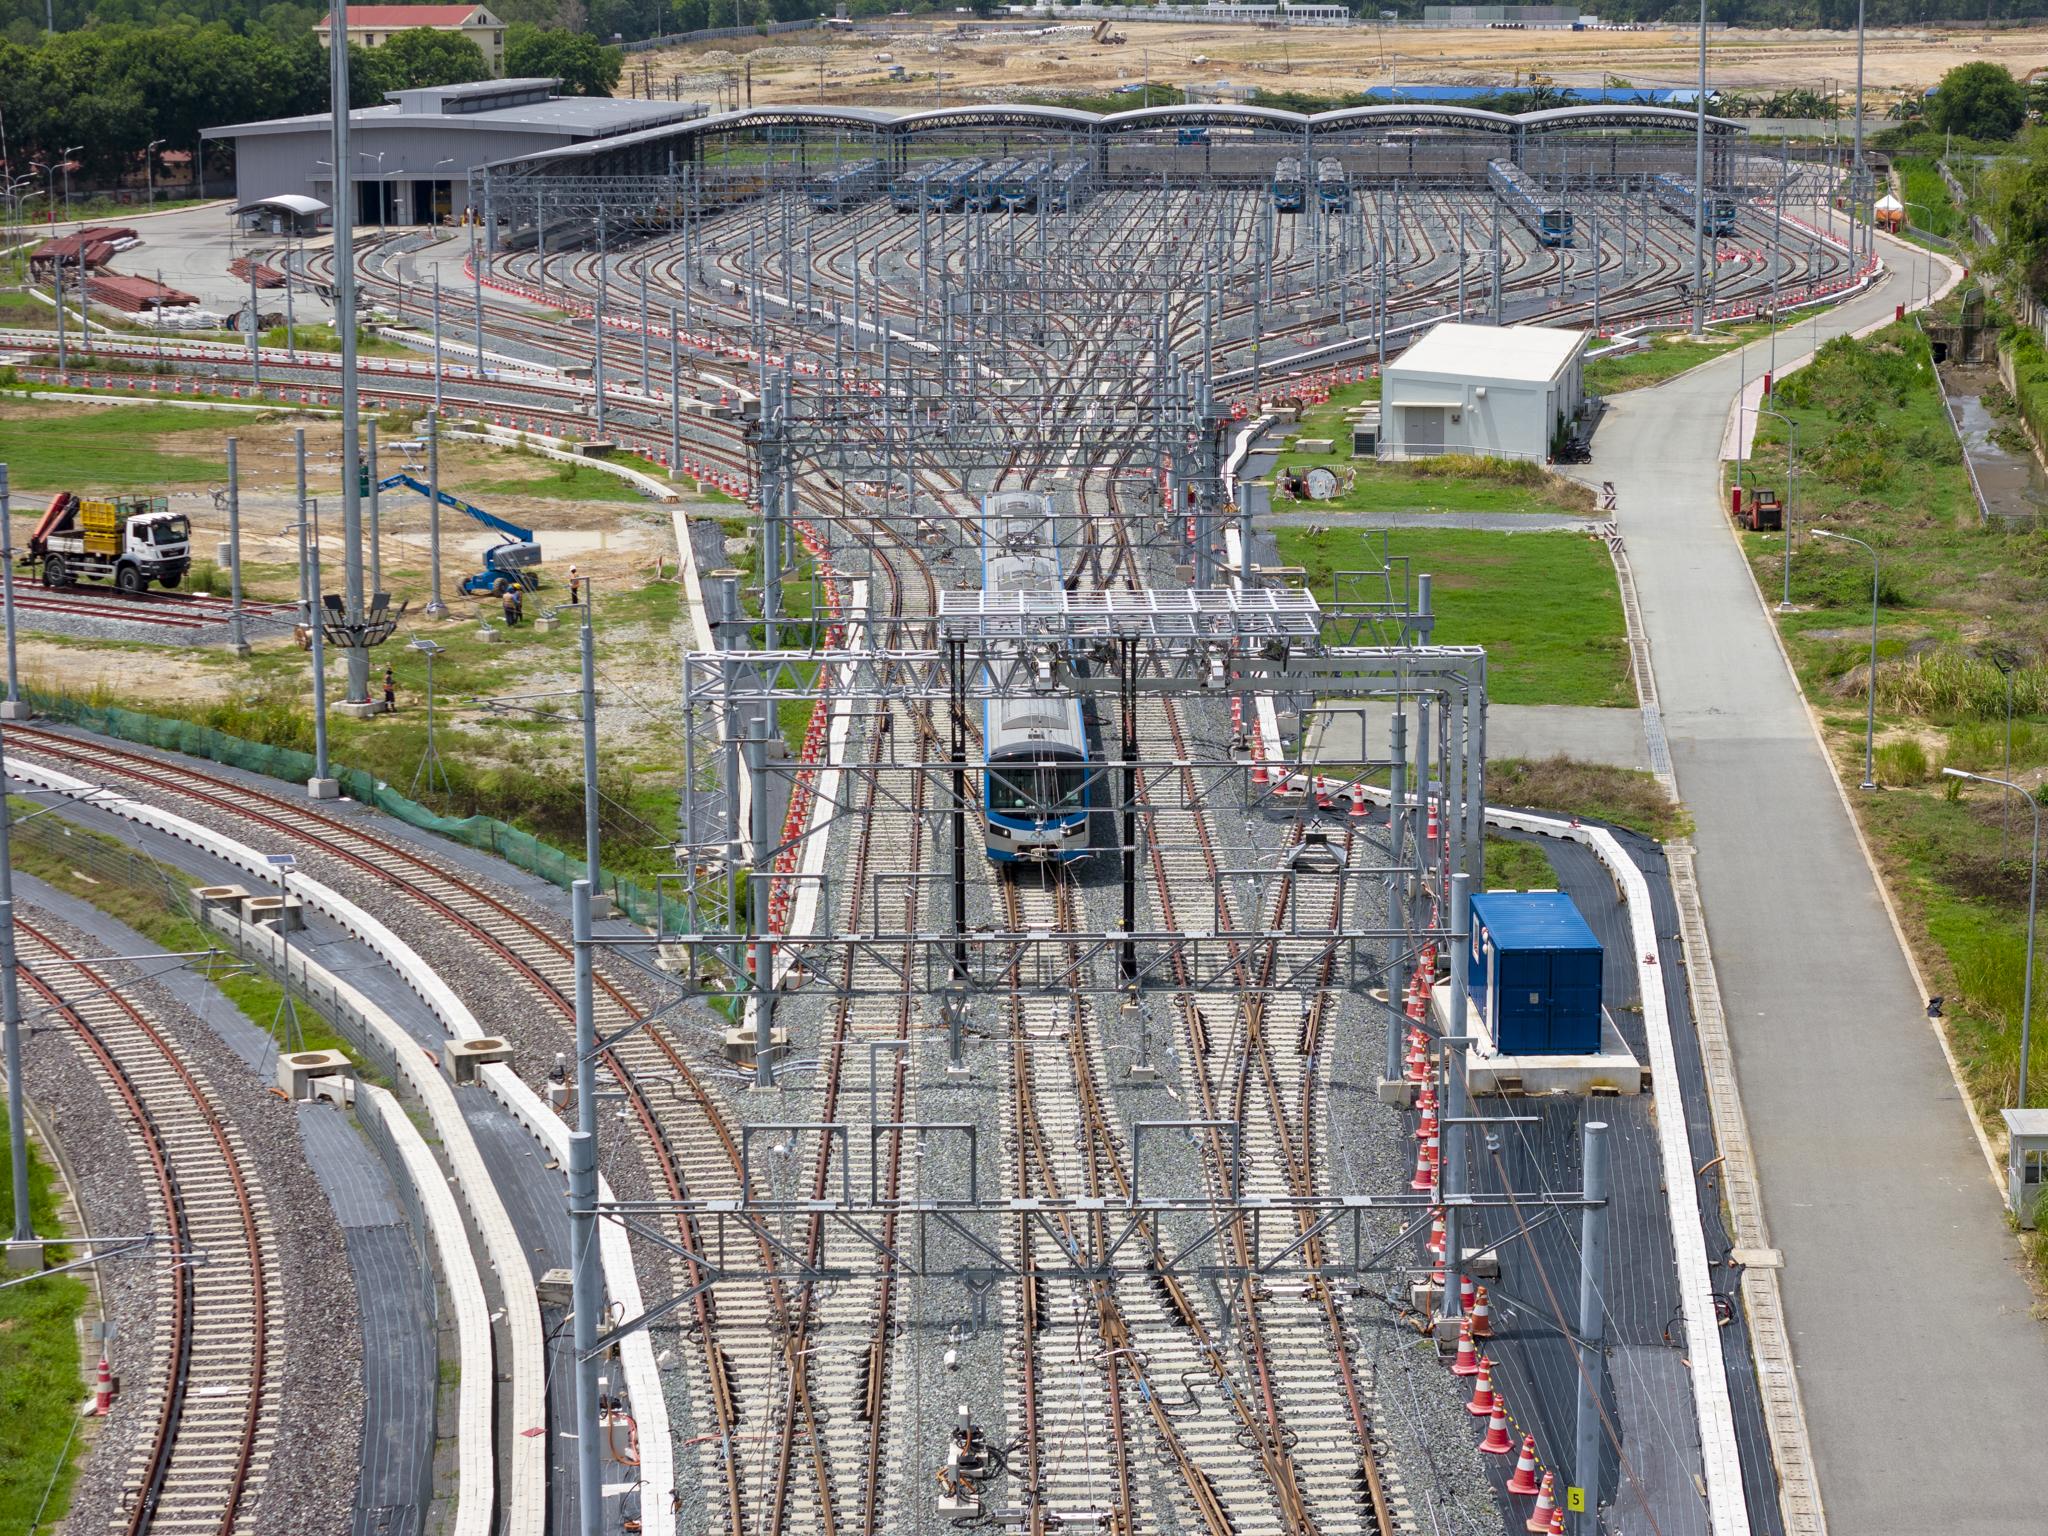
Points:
x=2036 y=1165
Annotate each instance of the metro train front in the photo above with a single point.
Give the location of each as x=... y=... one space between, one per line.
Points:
x=1035 y=789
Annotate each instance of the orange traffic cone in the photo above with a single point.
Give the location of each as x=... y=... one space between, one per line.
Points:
x=1523 y=1479
x=1436 y=1234
x=1425 y=1174
x=1482 y=1391
x=1465 y=1294
x=102 y=1390
x=1546 y=1507
x=1497 y=1442
x=1358 y=805
x=1425 y=1125
x=1557 y=1522
x=1482 y=1316
x=1467 y=1363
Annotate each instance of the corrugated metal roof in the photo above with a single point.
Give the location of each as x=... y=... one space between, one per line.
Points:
x=577 y=116
x=1533 y=354
x=1532 y=920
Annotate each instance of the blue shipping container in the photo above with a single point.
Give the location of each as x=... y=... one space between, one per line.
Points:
x=1535 y=973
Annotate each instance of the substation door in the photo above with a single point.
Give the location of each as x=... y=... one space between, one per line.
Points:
x=1425 y=429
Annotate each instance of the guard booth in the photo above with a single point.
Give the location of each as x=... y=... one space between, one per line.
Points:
x=2026 y=1161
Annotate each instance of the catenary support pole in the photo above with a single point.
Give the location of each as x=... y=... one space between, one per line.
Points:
x=12 y=708
x=10 y=1016
x=586 y=1295
x=321 y=786
x=1592 y=1329
x=1397 y=817
x=1457 y=1103
x=358 y=657
x=587 y=648
x=437 y=607
x=237 y=640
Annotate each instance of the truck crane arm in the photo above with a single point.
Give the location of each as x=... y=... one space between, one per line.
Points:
x=488 y=519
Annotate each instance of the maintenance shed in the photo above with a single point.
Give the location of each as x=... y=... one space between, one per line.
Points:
x=1535 y=973
x=1506 y=391
x=414 y=154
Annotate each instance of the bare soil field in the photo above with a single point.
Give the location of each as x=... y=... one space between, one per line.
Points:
x=944 y=61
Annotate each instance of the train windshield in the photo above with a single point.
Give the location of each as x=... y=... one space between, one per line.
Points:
x=1037 y=789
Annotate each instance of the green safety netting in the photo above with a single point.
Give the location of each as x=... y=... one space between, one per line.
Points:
x=486 y=833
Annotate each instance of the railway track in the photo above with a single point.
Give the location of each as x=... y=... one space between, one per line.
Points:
x=210 y=1388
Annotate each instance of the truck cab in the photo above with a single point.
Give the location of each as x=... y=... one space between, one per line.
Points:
x=132 y=541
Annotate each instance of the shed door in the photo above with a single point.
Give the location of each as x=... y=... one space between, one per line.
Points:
x=1425 y=424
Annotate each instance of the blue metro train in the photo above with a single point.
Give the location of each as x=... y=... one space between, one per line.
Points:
x=1528 y=200
x=1035 y=788
x=1675 y=194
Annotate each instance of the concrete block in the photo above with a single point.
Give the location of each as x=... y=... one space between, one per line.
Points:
x=738 y=1044
x=1397 y=1091
x=298 y=1070
x=212 y=898
x=544 y=626
x=461 y=1058
x=16 y=709
x=1313 y=445
x=1481 y=1263
x=600 y=906
x=489 y=634
x=358 y=709
x=323 y=789
x=286 y=913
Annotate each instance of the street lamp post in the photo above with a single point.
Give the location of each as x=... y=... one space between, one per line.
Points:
x=149 y=167
x=74 y=149
x=1870 y=703
x=2033 y=901
x=1791 y=482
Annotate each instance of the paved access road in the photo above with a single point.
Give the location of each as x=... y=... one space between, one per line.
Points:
x=1922 y=1370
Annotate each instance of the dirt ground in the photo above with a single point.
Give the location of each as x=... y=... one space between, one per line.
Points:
x=1011 y=62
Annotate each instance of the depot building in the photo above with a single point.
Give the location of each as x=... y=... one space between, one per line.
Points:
x=413 y=155
x=1506 y=392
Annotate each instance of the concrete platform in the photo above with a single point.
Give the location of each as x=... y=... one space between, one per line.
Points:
x=1612 y=1069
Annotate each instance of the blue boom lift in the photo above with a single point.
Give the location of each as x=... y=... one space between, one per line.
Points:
x=505 y=565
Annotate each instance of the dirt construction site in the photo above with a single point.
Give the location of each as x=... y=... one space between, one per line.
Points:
x=969 y=61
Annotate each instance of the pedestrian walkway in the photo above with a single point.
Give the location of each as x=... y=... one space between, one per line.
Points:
x=1921 y=1365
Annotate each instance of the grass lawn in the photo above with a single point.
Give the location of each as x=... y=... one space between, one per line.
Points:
x=325 y=338
x=143 y=910
x=132 y=447
x=557 y=481
x=1671 y=353
x=1513 y=865
x=1928 y=203
x=1545 y=605
x=1453 y=483
x=1878 y=461
x=40 y=1386
x=1627 y=797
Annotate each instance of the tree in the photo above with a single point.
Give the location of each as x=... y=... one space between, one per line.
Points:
x=2019 y=213
x=1980 y=100
x=583 y=65
x=423 y=56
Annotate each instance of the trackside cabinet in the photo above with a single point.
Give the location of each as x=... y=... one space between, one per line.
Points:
x=1535 y=973
x=2026 y=1161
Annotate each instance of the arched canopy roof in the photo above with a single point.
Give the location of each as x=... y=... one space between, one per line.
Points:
x=1619 y=115
x=999 y=115
x=1414 y=115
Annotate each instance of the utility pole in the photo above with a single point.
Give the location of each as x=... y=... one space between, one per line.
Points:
x=1592 y=1329
x=19 y=1254
x=11 y=708
x=1699 y=188
x=437 y=608
x=358 y=690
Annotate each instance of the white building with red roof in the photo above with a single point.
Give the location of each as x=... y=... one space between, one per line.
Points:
x=372 y=26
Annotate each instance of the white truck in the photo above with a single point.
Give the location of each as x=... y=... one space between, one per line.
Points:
x=131 y=541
